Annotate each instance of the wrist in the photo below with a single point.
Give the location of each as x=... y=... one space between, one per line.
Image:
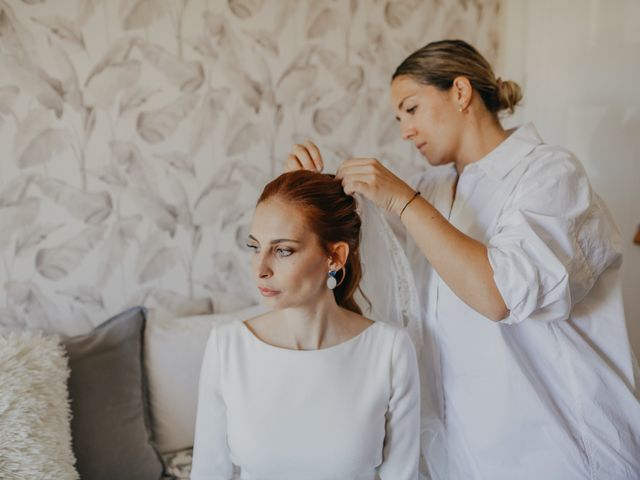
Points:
x=399 y=201
x=414 y=194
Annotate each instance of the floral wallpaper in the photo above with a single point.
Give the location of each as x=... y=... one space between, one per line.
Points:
x=135 y=136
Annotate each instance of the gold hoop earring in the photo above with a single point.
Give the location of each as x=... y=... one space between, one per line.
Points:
x=344 y=275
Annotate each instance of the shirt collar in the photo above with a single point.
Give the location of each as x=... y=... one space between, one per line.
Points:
x=502 y=159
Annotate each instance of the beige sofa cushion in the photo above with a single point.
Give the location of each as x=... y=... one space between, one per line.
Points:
x=174 y=348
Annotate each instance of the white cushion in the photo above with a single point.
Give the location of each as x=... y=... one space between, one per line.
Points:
x=174 y=348
x=34 y=408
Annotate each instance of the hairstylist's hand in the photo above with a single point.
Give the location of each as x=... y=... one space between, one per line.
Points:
x=370 y=178
x=305 y=156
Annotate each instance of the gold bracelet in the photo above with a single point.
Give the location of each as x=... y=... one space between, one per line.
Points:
x=410 y=200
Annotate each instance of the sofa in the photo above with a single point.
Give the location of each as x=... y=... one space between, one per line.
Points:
x=116 y=403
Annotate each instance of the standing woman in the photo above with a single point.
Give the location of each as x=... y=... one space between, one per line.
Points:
x=517 y=262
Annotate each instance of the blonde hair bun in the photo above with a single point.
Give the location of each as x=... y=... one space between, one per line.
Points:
x=509 y=94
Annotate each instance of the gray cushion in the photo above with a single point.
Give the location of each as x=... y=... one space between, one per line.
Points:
x=110 y=422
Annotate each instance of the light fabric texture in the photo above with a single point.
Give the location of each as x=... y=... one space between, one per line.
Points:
x=551 y=391
x=178 y=465
x=110 y=425
x=35 y=439
x=174 y=348
x=345 y=412
x=387 y=282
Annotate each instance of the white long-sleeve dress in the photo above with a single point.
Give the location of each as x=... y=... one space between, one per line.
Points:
x=552 y=391
x=346 y=412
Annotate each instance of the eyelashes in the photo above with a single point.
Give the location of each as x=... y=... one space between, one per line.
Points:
x=281 y=252
x=410 y=111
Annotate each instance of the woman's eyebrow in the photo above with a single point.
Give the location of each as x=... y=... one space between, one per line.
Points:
x=403 y=100
x=277 y=240
x=280 y=240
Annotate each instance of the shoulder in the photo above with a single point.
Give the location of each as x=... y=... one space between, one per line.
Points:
x=552 y=179
x=525 y=148
x=228 y=333
x=388 y=330
x=260 y=326
x=386 y=346
x=395 y=337
x=261 y=319
x=356 y=321
x=554 y=163
x=400 y=352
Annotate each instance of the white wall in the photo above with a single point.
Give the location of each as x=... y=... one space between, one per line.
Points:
x=578 y=62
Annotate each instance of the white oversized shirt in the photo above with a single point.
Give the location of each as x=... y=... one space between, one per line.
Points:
x=551 y=392
x=345 y=412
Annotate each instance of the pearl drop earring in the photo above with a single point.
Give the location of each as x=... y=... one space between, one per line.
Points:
x=331 y=281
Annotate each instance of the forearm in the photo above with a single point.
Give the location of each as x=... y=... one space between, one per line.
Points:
x=461 y=261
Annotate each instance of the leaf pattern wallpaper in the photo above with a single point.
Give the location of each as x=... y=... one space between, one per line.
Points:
x=136 y=136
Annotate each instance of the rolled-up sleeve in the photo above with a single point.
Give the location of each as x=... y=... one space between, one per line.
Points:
x=552 y=241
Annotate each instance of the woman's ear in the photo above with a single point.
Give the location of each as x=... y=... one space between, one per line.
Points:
x=339 y=252
x=462 y=92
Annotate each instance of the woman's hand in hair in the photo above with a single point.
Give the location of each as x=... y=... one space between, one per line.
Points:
x=370 y=178
x=304 y=156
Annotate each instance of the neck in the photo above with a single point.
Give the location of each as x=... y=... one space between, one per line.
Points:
x=483 y=133
x=313 y=326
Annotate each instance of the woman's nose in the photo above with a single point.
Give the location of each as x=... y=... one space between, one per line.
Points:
x=265 y=273
x=263 y=270
x=407 y=131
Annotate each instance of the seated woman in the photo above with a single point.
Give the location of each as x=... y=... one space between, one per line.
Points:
x=311 y=389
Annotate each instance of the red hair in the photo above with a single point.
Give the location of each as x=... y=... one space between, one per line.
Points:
x=331 y=215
